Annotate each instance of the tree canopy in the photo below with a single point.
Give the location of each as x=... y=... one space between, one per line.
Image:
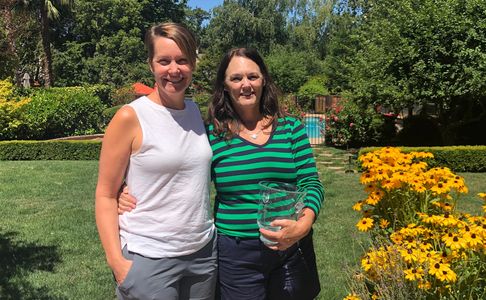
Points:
x=394 y=54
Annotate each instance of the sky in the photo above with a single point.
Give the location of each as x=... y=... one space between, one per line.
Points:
x=204 y=4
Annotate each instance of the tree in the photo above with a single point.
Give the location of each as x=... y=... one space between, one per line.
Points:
x=291 y=68
x=252 y=23
x=309 y=24
x=420 y=52
x=104 y=41
x=47 y=11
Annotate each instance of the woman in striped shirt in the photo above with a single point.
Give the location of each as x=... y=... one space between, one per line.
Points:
x=252 y=141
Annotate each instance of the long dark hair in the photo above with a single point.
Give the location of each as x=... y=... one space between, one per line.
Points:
x=221 y=111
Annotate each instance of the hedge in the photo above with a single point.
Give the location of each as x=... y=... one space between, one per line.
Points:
x=457 y=158
x=50 y=150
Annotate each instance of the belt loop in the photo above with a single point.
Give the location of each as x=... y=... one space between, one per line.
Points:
x=237 y=239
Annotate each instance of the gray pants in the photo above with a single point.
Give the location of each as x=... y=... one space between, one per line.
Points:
x=176 y=278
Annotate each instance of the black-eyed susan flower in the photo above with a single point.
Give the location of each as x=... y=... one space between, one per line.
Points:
x=424 y=285
x=413 y=274
x=446 y=275
x=453 y=241
x=358 y=206
x=352 y=297
x=384 y=223
x=438 y=268
x=365 y=224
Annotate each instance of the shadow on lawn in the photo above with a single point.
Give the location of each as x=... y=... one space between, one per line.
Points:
x=17 y=260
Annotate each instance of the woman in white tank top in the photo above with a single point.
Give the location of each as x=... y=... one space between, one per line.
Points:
x=158 y=145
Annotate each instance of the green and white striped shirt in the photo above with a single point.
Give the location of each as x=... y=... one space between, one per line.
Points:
x=239 y=165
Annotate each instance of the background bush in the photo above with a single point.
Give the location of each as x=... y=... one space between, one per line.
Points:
x=457 y=158
x=50 y=150
x=314 y=87
x=351 y=125
x=60 y=112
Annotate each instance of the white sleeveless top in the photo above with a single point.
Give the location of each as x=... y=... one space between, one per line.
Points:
x=170 y=177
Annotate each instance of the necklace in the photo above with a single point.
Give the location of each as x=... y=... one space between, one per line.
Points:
x=254 y=135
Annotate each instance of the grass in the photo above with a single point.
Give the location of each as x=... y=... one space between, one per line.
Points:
x=49 y=247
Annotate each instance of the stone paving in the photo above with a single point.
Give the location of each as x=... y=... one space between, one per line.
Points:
x=333 y=160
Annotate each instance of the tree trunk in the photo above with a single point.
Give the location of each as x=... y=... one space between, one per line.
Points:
x=46 y=46
x=6 y=7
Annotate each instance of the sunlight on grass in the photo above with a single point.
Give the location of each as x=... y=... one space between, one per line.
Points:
x=49 y=247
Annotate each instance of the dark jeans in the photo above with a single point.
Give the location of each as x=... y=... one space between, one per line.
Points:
x=250 y=270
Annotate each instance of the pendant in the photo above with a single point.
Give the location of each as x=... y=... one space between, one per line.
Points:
x=254 y=136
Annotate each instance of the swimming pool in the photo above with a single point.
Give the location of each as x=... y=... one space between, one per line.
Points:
x=314 y=127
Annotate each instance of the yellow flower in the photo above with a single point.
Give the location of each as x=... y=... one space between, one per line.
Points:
x=366 y=263
x=408 y=255
x=439 y=269
x=364 y=224
x=446 y=220
x=358 y=206
x=390 y=184
x=440 y=188
x=366 y=178
x=384 y=223
x=453 y=241
x=414 y=273
x=372 y=199
x=482 y=196
x=473 y=239
x=352 y=297
x=446 y=275
x=424 y=285
x=444 y=205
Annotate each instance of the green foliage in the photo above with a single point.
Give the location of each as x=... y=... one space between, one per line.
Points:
x=351 y=125
x=457 y=158
x=290 y=105
x=107 y=41
x=102 y=91
x=290 y=69
x=50 y=150
x=430 y=52
x=110 y=112
x=314 y=87
x=122 y=95
x=256 y=24
x=205 y=73
x=202 y=99
x=60 y=112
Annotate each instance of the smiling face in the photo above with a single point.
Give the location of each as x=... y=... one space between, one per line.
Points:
x=171 y=68
x=244 y=83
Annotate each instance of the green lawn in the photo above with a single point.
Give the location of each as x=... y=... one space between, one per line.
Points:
x=49 y=248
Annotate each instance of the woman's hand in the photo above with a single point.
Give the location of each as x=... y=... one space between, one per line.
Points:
x=126 y=202
x=120 y=269
x=291 y=231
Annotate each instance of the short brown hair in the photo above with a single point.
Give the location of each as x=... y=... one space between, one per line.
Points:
x=184 y=39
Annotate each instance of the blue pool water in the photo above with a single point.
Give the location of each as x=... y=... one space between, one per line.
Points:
x=312 y=127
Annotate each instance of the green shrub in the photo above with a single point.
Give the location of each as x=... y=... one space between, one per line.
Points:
x=102 y=91
x=50 y=150
x=123 y=95
x=310 y=90
x=110 y=112
x=60 y=112
x=457 y=158
x=349 y=124
x=11 y=106
x=202 y=99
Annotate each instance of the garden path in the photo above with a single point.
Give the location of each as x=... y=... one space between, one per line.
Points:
x=334 y=160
